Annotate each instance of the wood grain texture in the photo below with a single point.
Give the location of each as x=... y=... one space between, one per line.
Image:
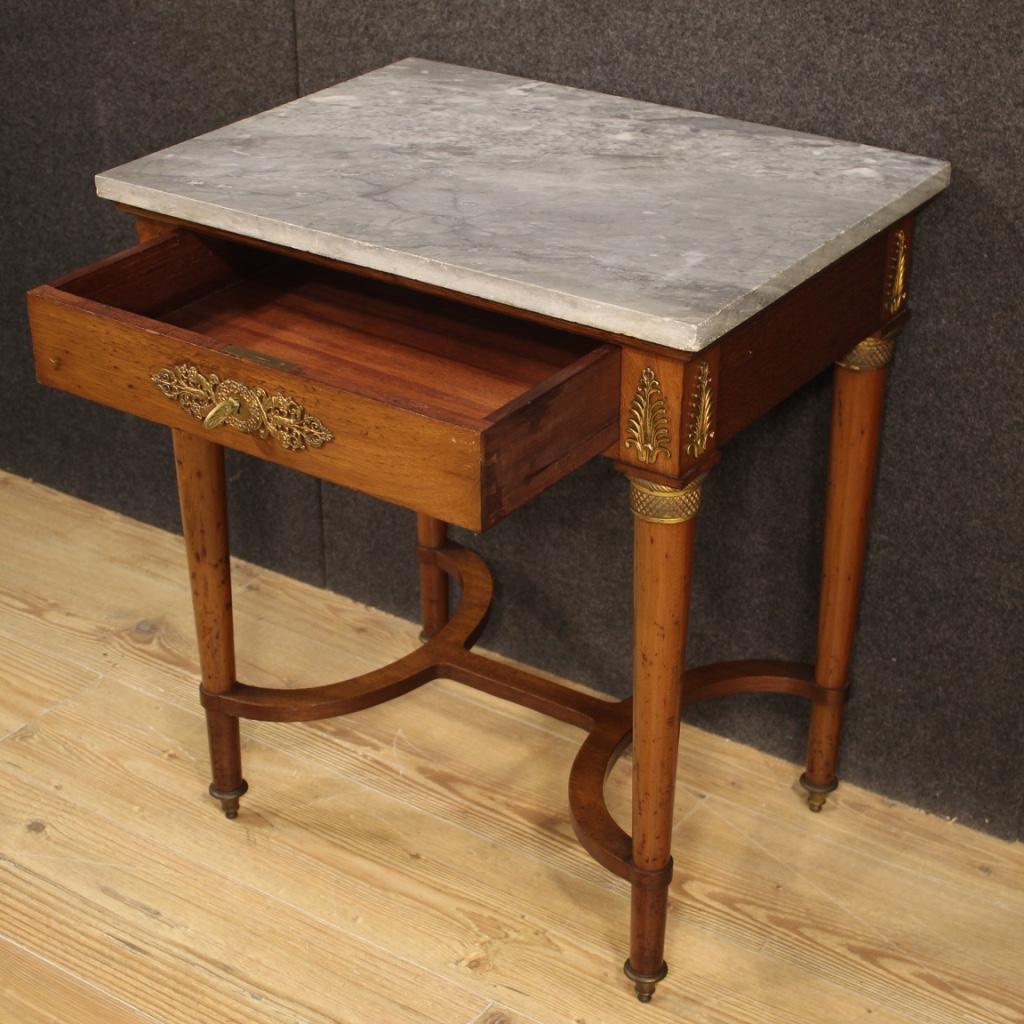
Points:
x=158 y=932
x=662 y=569
x=434 y=597
x=768 y=357
x=325 y=331
x=161 y=273
x=29 y=688
x=110 y=359
x=853 y=455
x=150 y=224
x=541 y=436
x=202 y=495
x=857 y=404
x=457 y=414
x=502 y=1015
x=35 y=991
x=429 y=836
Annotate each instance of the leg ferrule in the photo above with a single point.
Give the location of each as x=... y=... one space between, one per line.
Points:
x=644 y=984
x=229 y=798
x=817 y=792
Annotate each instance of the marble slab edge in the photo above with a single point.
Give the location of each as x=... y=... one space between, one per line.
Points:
x=681 y=335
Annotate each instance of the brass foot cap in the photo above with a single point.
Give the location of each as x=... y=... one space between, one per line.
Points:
x=817 y=793
x=229 y=798
x=644 y=983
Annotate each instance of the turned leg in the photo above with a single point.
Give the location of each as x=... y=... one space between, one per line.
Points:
x=204 y=520
x=853 y=455
x=663 y=552
x=432 y=533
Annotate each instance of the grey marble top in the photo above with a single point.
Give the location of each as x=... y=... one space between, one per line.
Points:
x=659 y=223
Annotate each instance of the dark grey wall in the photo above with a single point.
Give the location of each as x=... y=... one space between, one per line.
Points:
x=936 y=718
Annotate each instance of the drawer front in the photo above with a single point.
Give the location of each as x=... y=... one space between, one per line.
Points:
x=168 y=376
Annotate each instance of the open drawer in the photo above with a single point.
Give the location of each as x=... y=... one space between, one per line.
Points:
x=460 y=413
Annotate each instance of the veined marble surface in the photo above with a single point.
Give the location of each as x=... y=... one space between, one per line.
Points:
x=659 y=223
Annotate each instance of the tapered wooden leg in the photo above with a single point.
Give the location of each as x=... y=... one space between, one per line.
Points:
x=853 y=455
x=663 y=552
x=432 y=533
x=204 y=520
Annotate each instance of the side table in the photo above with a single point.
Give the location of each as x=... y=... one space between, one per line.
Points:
x=449 y=288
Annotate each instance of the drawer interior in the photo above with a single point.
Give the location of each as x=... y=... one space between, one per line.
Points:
x=426 y=354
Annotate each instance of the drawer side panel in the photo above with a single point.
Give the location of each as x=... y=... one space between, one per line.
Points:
x=551 y=431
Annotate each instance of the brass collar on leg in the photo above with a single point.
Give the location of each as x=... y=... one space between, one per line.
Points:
x=874 y=353
x=644 y=984
x=658 y=503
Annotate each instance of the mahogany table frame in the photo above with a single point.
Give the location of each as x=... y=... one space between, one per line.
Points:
x=677 y=410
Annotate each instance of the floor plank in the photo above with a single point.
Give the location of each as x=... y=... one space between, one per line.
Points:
x=424 y=842
x=185 y=944
x=34 y=991
x=361 y=861
x=30 y=686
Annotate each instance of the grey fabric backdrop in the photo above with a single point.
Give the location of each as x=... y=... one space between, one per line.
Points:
x=937 y=718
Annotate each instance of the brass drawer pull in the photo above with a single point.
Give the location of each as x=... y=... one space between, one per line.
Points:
x=251 y=410
x=220 y=413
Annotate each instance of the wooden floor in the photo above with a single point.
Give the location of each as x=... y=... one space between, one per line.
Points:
x=414 y=862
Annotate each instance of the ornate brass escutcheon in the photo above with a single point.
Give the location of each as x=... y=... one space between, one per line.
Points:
x=251 y=410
